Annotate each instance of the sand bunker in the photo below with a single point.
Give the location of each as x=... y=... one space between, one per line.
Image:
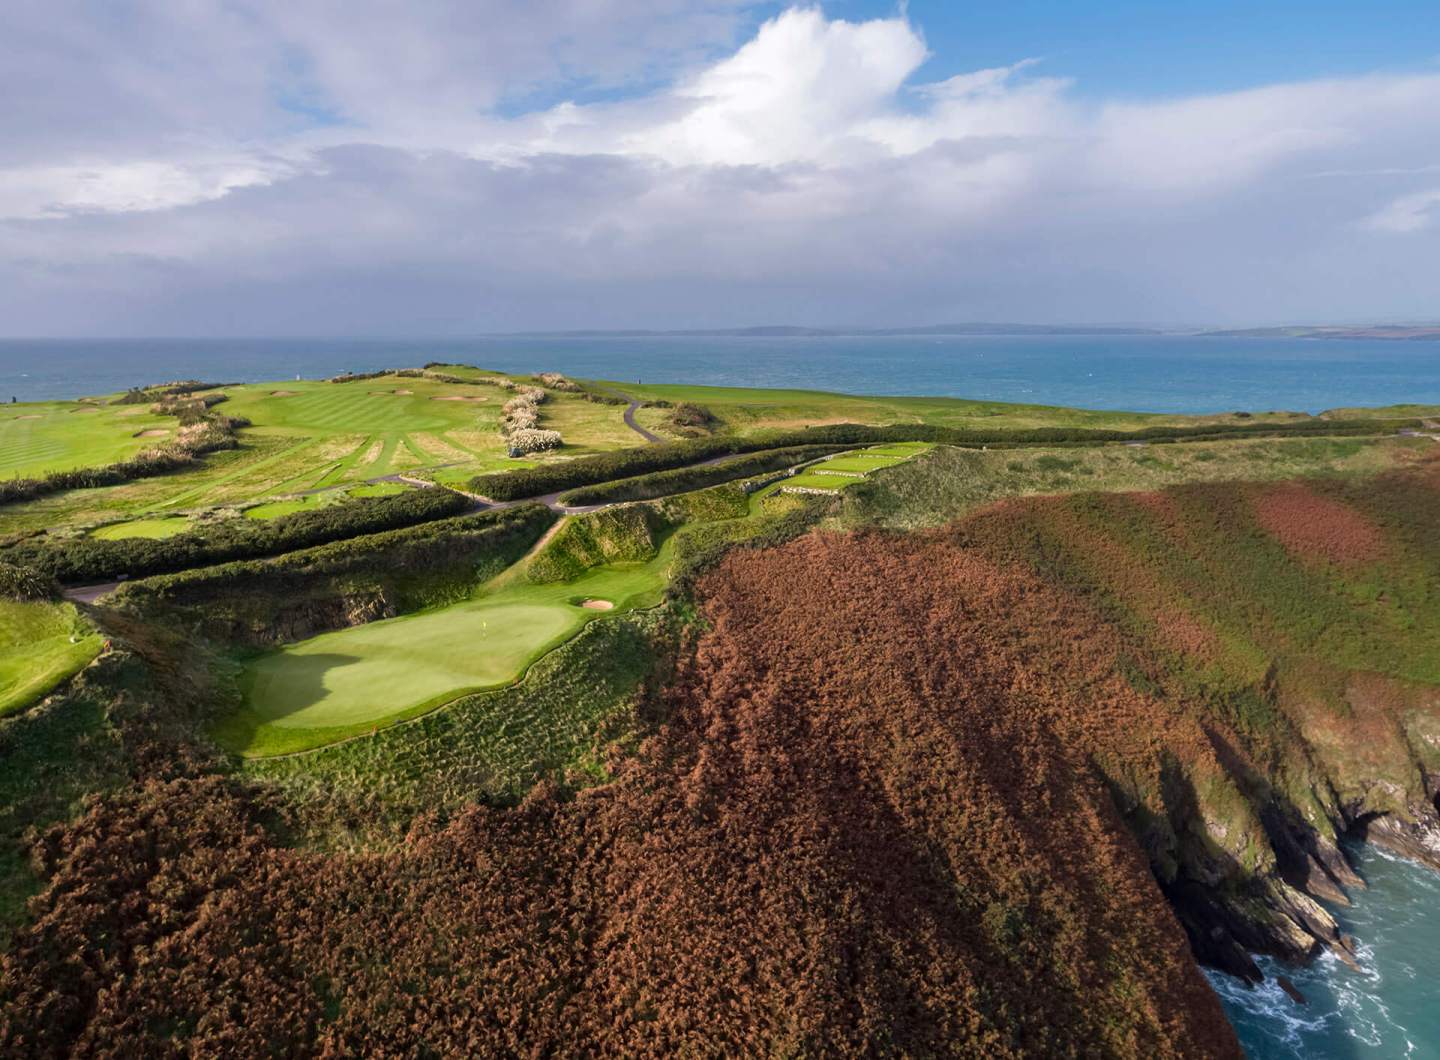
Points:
x=32 y=416
x=402 y=392
x=283 y=393
x=596 y=605
x=153 y=432
x=458 y=397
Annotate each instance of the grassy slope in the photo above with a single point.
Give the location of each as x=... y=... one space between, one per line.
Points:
x=949 y=482
x=41 y=644
x=745 y=409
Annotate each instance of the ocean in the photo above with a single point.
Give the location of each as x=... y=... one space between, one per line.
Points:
x=1166 y=373
x=1389 y=1009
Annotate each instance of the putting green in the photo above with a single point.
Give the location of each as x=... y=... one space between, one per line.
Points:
x=41 y=644
x=344 y=683
x=364 y=674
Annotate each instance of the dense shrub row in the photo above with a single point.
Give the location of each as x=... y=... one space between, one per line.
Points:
x=684 y=479
x=266 y=601
x=140 y=395
x=93 y=559
x=200 y=433
x=552 y=478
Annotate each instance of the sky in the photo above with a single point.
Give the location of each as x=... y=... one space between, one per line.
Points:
x=439 y=168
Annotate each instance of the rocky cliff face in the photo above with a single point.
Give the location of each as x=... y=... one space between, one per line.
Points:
x=1286 y=635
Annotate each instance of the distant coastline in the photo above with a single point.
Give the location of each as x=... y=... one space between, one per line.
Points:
x=1403 y=332
x=1399 y=332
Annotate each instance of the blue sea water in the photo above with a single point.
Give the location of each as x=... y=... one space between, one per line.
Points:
x=1166 y=373
x=1389 y=1009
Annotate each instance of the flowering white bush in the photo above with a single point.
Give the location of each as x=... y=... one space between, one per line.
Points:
x=530 y=440
x=556 y=381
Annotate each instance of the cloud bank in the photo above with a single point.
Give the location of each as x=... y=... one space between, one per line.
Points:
x=330 y=168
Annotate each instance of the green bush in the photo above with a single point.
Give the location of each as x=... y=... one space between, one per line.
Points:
x=93 y=559
x=25 y=583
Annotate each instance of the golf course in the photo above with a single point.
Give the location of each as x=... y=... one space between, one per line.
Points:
x=307 y=466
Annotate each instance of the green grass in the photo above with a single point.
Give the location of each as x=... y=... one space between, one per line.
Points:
x=41 y=645
x=151 y=528
x=275 y=509
x=854 y=467
x=303 y=436
x=378 y=489
x=39 y=437
x=343 y=684
x=554 y=722
x=745 y=409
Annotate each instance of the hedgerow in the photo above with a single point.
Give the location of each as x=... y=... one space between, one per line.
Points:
x=92 y=559
x=627 y=463
x=360 y=579
x=684 y=479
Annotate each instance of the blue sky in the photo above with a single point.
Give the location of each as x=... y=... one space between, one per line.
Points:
x=252 y=167
x=1165 y=47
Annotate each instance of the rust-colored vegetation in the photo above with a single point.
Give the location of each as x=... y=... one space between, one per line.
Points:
x=1312 y=525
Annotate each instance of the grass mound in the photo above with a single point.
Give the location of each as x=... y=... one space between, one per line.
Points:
x=41 y=645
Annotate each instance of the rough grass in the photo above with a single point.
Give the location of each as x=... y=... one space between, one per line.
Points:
x=41 y=645
x=949 y=482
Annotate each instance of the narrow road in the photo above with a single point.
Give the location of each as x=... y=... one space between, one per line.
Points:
x=649 y=436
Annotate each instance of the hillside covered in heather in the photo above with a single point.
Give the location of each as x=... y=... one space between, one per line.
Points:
x=966 y=790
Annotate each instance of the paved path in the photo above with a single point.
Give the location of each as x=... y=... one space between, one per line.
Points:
x=88 y=594
x=649 y=436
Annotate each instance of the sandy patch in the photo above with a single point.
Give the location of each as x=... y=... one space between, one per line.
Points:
x=596 y=605
x=283 y=393
x=403 y=393
x=32 y=416
x=458 y=397
x=87 y=408
x=153 y=432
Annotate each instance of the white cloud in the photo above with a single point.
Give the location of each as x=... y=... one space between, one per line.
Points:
x=1408 y=213
x=269 y=158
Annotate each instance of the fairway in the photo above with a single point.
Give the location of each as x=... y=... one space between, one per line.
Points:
x=152 y=528
x=40 y=437
x=41 y=644
x=837 y=472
